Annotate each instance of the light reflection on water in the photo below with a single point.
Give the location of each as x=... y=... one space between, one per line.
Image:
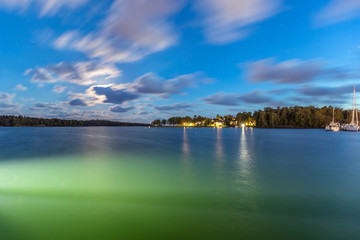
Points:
x=219 y=151
x=191 y=183
x=186 y=154
x=244 y=153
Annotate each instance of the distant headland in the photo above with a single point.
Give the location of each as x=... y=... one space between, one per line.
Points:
x=21 y=121
x=284 y=117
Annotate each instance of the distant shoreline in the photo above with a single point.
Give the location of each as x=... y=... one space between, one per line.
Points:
x=22 y=121
x=281 y=117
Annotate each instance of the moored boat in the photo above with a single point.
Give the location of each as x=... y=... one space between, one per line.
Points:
x=354 y=125
x=333 y=126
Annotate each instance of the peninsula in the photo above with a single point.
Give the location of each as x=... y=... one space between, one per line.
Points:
x=21 y=121
x=280 y=117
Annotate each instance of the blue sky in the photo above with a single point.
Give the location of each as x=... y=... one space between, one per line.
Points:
x=144 y=59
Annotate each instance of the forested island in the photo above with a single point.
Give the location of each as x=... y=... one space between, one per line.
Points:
x=285 y=117
x=21 y=121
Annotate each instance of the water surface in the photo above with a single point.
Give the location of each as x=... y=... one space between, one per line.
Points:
x=178 y=183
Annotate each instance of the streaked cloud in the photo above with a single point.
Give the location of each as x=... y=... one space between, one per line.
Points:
x=45 y=106
x=20 y=87
x=6 y=103
x=116 y=96
x=151 y=83
x=292 y=71
x=45 y=7
x=319 y=91
x=118 y=109
x=337 y=11
x=174 y=107
x=64 y=112
x=223 y=99
x=77 y=103
x=230 y=20
x=81 y=73
x=256 y=97
x=323 y=101
x=131 y=30
x=59 y=88
x=90 y=97
x=234 y=99
x=6 y=96
x=7 y=106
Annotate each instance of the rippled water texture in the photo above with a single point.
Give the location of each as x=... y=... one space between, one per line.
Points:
x=178 y=183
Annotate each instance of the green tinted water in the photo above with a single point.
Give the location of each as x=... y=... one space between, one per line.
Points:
x=181 y=184
x=106 y=197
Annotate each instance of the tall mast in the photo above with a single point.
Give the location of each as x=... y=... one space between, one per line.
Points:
x=356 y=111
x=353 y=111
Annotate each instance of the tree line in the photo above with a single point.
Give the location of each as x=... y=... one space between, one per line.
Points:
x=21 y=121
x=284 y=117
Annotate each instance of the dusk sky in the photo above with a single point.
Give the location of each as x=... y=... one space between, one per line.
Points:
x=137 y=60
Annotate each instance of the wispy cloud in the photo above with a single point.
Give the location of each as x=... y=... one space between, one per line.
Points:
x=116 y=96
x=45 y=106
x=6 y=104
x=77 y=103
x=59 y=88
x=131 y=30
x=89 y=97
x=256 y=97
x=20 y=87
x=82 y=73
x=118 y=109
x=149 y=84
x=292 y=71
x=234 y=99
x=337 y=11
x=45 y=7
x=230 y=20
x=174 y=107
x=319 y=91
x=223 y=99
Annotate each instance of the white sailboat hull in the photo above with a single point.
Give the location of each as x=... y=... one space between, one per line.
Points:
x=351 y=128
x=332 y=128
x=335 y=129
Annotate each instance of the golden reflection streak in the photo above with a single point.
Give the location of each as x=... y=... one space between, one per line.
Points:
x=219 y=146
x=185 y=143
x=186 y=151
x=244 y=160
x=244 y=181
x=219 y=150
x=95 y=140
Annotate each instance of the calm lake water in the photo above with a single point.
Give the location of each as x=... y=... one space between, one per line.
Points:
x=178 y=183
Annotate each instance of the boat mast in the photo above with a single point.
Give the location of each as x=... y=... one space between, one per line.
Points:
x=353 y=111
x=356 y=111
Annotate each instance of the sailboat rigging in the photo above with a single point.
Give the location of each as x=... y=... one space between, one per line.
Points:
x=333 y=126
x=354 y=125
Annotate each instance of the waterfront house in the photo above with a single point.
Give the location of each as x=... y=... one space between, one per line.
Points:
x=218 y=122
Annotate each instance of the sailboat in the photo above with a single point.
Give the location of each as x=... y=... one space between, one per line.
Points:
x=354 y=125
x=333 y=126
